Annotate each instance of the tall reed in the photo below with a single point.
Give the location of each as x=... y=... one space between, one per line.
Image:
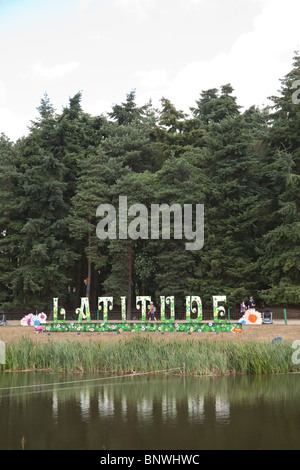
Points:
x=142 y=354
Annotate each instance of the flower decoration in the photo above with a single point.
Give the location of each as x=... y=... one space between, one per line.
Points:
x=144 y=327
x=32 y=320
x=42 y=317
x=251 y=317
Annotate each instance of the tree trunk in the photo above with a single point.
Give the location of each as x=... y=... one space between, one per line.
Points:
x=88 y=280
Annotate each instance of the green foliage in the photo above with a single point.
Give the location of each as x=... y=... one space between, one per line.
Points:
x=8 y=223
x=46 y=253
x=244 y=168
x=146 y=355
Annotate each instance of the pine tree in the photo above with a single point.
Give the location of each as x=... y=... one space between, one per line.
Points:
x=228 y=261
x=46 y=256
x=285 y=118
x=128 y=136
x=177 y=183
x=123 y=250
x=174 y=133
x=8 y=222
x=280 y=258
x=77 y=133
x=128 y=112
x=42 y=135
x=213 y=107
x=98 y=174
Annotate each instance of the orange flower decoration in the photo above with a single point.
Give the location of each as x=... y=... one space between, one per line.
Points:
x=252 y=318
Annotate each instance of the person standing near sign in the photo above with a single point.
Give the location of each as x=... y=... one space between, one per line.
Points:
x=152 y=312
x=251 y=303
x=243 y=307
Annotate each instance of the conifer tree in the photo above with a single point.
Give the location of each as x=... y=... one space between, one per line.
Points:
x=123 y=249
x=174 y=133
x=46 y=255
x=285 y=114
x=8 y=221
x=234 y=208
x=280 y=258
x=98 y=174
x=128 y=112
x=177 y=183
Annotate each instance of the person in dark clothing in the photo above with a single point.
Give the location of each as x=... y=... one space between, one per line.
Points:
x=251 y=302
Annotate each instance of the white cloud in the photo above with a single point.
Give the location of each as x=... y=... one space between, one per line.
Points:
x=153 y=78
x=17 y=125
x=162 y=48
x=139 y=6
x=197 y=2
x=84 y=4
x=56 y=71
x=2 y=93
x=98 y=107
x=254 y=65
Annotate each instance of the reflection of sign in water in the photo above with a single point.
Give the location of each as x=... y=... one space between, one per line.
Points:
x=196 y=408
x=85 y=402
x=168 y=407
x=145 y=409
x=106 y=404
x=2 y=352
x=222 y=409
x=55 y=404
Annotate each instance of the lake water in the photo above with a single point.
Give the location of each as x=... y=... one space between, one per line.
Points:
x=90 y=412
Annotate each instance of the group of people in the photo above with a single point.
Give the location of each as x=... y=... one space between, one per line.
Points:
x=250 y=304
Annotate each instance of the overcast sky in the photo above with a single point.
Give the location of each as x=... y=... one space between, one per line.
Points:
x=161 y=48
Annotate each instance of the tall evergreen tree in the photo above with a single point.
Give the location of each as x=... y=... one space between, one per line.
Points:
x=280 y=258
x=213 y=107
x=46 y=255
x=77 y=133
x=123 y=249
x=8 y=220
x=98 y=174
x=174 y=133
x=178 y=183
x=285 y=115
x=234 y=207
x=128 y=112
x=128 y=136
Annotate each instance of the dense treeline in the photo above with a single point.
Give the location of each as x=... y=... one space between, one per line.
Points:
x=244 y=166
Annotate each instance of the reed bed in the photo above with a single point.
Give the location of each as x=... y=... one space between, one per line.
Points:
x=143 y=355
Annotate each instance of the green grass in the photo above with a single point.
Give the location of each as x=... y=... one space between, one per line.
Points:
x=145 y=355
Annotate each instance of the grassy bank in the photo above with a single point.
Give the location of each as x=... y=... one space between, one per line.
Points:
x=145 y=355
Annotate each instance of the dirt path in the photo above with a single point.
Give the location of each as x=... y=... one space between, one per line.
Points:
x=263 y=333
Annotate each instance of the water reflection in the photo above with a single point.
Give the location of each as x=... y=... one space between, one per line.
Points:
x=106 y=404
x=222 y=410
x=159 y=412
x=196 y=408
